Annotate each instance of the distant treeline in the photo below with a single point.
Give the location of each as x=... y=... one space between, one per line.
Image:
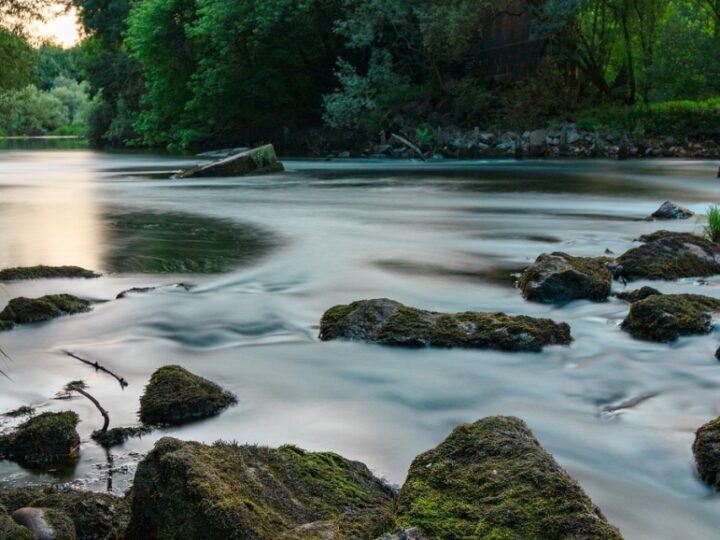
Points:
x=197 y=73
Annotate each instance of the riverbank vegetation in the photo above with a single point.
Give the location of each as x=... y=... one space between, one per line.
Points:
x=202 y=73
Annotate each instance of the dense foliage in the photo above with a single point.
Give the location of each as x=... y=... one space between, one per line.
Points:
x=181 y=73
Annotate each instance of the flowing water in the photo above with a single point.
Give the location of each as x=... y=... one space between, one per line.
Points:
x=267 y=255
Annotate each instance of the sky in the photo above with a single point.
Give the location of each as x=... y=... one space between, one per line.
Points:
x=62 y=29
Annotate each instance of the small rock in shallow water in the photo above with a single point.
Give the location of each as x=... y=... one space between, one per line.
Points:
x=559 y=277
x=638 y=294
x=175 y=396
x=388 y=322
x=664 y=318
x=706 y=449
x=44 y=440
x=23 y=310
x=119 y=435
x=492 y=479
x=670 y=210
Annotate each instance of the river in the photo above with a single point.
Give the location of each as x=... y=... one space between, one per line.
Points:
x=266 y=256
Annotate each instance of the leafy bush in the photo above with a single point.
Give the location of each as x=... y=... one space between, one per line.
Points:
x=712 y=230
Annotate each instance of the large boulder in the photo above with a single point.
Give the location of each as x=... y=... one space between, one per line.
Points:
x=670 y=210
x=44 y=440
x=388 y=322
x=175 y=396
x=46 y=523
x=31 y=310
x=45 y=272
x=559 y=277
x=537 y=143
x=668 y=255
x=492 y=479
x=225 y=491
x=664 y=318
x=261 y=160
x=707 y=453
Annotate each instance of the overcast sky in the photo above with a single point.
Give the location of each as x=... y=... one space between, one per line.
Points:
x=62 y=29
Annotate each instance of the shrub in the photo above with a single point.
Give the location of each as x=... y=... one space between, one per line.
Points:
x=712 y=229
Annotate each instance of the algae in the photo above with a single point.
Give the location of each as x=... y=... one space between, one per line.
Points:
x=45 y=272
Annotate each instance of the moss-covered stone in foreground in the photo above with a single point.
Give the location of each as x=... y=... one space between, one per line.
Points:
x=707 y=453
x=493 y=480
x=175 y=396
x=46 y=523
x=9 y=530
x=226 y=491
x=44 y=440
x=45 y=272
x=387 y=322
x=559 y=277
x=667 y=256
x=664 y=318
x=23 y=310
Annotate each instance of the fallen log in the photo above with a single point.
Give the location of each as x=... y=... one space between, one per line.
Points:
x=412 y=146
x=261 y=160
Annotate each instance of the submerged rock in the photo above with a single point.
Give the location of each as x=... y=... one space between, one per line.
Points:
x=559 y=277
x=44 y=440
x=46 y=523
x=388 y=322
x=670 y=210
x=23 y=310
x=707 y=453
x=45 y=272
x=261 y=160
x=668 y=255
x=119 y=435
x=175 y=396
x=638 y=294
x=664 y=318
x=492 y=479
x=190 y=490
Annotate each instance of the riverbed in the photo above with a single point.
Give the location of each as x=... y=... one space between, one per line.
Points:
x=264 y=257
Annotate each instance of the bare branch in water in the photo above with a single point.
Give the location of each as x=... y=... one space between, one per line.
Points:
x=98 y=367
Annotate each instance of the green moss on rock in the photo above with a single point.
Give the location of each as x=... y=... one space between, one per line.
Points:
x=559 y=277
x=119 y=435
x=387 y=322
x=638 y=294
x=224 y=491
x=493 y=480
x=706 y=449
x=46 y=523
x=44 y=440
x=175 y=396
x=93 y=514
x=664 y=318
x=45 y=272
x=9 y=530
x=668 y=256
x=23 y=310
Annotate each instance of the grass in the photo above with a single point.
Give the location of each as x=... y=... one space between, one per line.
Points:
x=712 y=229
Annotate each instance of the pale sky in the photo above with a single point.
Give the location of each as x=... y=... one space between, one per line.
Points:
x=62 y=29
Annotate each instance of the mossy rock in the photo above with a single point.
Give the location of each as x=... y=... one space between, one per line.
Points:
x=46 y=523
x=32 y=310
x=45 y=272
x=119 y=435
x=93 y=514
x=638 y=294
x=706 y=449
x=558 y=278
x=44 y=440
x=388 y=322
x=9 y=530
x=225 y=491
x=669 y=256
x=19 y=497
x=261 y=160
x=175 y=396
x=493 y=480
x=664 y=318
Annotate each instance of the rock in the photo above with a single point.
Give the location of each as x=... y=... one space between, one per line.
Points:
x=45 y=272
x=670 y=210
x=668 y=255
x=559 y=277
x=119 y=435
x=23 y=310
x=261 y=160
x=403 y=534
x=537 y=143
x=190 y=490
x=637 y=294
x=717 y=353
x=44 y=440
x=492 y=479
x=175 y=396
x=664 y=318
x=707 y=453
x=94 y=515
x=9 y=530
x=46 y=523
x=15 y=498
x=388 y=322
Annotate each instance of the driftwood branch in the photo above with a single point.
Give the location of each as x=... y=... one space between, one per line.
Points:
x=79 y=387
x=412 y=146
x=98 y=367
